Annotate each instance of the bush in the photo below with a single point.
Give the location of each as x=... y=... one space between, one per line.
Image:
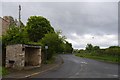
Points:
x=15 y=35
x=3 y=71
x=53 y=42
x=115 y=51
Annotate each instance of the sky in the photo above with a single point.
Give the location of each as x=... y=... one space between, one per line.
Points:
x=81 y=22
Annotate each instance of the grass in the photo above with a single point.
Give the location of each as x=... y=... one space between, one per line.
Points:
x=3 y=71
x=51 y=61
x=107 y=58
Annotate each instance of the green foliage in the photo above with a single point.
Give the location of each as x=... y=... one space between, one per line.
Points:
x=92 y=49
x=81 y=51
x=96 y=48
x=108 y=58
x=115 y=51
x=51 y=61
x=37 y=27
x=35 y=43
x=76 y=51
x=56 y=44
x=68 y=47
x=89 y=47
x=38 y=32
x=3 y=71
x=109 y=54
x=53 y=41
x=114 y=47
x=15 y=35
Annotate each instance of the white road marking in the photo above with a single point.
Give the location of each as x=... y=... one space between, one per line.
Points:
x=41 y=71
x=84 y=62
x=77 y=73
x=112 y=75
x=115 y=75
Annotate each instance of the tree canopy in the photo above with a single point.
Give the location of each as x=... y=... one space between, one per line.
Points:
x=53 y=42
x=15 y=36
x=37 y=27
x=38 y=31
x=56 y=44
x=89 y=47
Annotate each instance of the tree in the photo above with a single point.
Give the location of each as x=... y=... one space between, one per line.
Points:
x=114 y=47
x=53 y=41
x=96 y=47
x=113 y=50
x=68 y=47
x=89 y=47
x=15 y=36
x=37 y=27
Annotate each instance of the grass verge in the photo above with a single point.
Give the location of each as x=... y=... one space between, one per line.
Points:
x=107 y=58
x=3 y=71
x=51 y=61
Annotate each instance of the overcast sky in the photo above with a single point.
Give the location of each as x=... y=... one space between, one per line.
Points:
x=80 y=22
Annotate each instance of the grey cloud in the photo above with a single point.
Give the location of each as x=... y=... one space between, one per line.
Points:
x=96 y=18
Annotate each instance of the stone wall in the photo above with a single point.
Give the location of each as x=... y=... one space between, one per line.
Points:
x=16 y=54
x=22 y=56
x=32 y=56
x=4 y=26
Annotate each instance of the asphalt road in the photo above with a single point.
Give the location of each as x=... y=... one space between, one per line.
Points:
x=76 y=67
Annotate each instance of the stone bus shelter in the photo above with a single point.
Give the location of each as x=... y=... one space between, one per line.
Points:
x=20 y=56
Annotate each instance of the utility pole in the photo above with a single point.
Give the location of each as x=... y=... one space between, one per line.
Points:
x=19 y=16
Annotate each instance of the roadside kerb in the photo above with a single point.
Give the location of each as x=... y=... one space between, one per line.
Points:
x=61 y=62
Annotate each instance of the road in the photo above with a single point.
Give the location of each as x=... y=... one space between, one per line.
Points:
x=77 y=67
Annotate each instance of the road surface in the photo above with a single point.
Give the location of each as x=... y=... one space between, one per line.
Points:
x=77 y=67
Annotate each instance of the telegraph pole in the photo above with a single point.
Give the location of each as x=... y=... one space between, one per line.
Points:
x=19 y=15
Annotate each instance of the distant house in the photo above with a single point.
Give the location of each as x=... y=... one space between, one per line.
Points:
x=20 y=56
x=4 y=26
x=5 y=23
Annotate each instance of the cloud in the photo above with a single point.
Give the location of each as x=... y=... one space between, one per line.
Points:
x=99 y=40
x=60 y=0
x=79 y=21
